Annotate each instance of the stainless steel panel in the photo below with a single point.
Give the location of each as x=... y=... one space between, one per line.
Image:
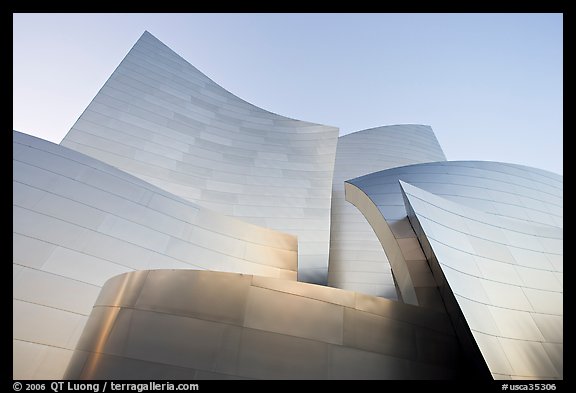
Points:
x=539 y=279
x=551 y=327
x=76 y=365
x=478 y=316
x=436 y=348
x=455 y=239
x=38 y=287
x=531 y=259
x=491 y=250
x=23 y=172
x=31 y=252
x=552 y=246
x=134 y=233
x=493 y=353
x=498 y=271
x=506 y=296
x=411 y=249
x=294 y=315
x=325 y=294
x=556 y=355
x=46 y=325
x=284 y=259
x=378 y=334
x=46 y=228
x=178 y=347
x=266 y=355
x=122 y=290
x=123 y=368
x=455 y=259
x=37 y=361
x=350 y=363
x=118 y=251
x=226 y=244
x=401 y=228
x=79 y=266
x=525 y=241
x=421 y=274
x=205 y=295
x=26 y=196
x=516 y=324
x=528 y=358
x=98 y=327
x=467 y=286
x=485 y=231
x=544 y=301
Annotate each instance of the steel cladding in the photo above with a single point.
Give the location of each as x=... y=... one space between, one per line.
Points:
x=180 y=232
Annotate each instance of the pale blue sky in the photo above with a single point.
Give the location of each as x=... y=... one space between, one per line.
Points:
x=490 y=85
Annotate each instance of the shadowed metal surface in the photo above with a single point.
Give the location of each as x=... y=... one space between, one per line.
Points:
x=492 y=235
x=162 y=120
x=357 y=260
x=78 y=221
x=184 y=324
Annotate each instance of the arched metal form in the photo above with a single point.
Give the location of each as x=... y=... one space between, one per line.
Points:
x=357 y=260
x=492 y=236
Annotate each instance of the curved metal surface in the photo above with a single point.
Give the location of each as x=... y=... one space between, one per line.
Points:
x=357 y=260
x=161 y=145
x=206 y=325
x=78 y=221
x=159 y=118
x=501 y=274
x=509 y=190
x=492 y=235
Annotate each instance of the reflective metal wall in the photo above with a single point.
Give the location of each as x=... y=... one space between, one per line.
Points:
x=490 y=233
x=168 y=324
x=167 y=170
x=357 y=259
x=162 y=120
x=77 y=222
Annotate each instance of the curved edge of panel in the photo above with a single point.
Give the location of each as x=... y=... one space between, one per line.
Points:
x=400 y=267
x=412 y=275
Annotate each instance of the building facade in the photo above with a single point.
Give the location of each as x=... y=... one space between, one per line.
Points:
x=179 y=232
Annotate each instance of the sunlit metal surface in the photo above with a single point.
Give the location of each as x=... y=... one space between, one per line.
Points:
x=357 y=260
x=78 y=222
x=173 y=325
x=492 y=235
x=159 y=118
x=167 y=170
